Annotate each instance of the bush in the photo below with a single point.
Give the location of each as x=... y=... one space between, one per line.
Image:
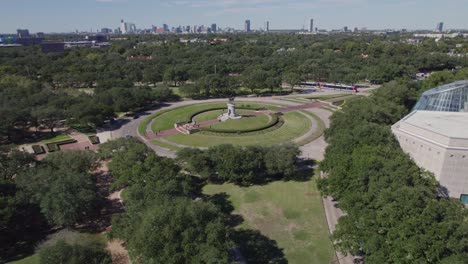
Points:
x=38 y=149
x=55 y=146
x=83 y=252
x=94 y=139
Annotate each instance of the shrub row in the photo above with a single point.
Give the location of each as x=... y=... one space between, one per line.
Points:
x=94 y=139
x=54 y=146
x=275 y=120
x=38 y=149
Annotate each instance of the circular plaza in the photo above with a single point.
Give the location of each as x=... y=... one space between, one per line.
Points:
x=241 y=123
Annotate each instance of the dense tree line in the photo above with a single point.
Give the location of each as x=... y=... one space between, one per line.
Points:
x=58 y=191
x=41 y=90
x=241 y=165
x=76 y=252
x=394 y=214
x=162 y=222
x=168 y=219
x=26 y=105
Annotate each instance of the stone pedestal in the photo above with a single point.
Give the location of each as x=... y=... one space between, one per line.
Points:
x=231 y=113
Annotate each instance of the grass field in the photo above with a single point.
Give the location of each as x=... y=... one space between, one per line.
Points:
x=319 y=129
x=295 y=125
x=71 y=237
x=291 y=213
x=34 y=259
x=182 y=114
x=243 y=123
x=210 y=115
x=58 y=137
x=164 y=144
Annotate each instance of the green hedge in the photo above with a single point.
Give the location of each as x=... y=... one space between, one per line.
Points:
x=275 y=120
x=38 y=149
x=94 y=139
x=55 y=146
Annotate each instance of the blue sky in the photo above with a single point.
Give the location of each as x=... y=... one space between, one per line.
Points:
x=68 y=15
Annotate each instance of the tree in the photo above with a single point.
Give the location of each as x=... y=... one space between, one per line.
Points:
x=62 y=187
x=196 y=231
x=292 y=78
x=83 y=252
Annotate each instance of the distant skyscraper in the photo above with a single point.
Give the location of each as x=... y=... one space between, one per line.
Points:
x=214 y=28
x=106 y=30
x=440 y=26
x=127 y=28
x=23 y=33
x=166 y=27
x=247 y=26
x=345 y=29
x=268 y=26
x=311 y=25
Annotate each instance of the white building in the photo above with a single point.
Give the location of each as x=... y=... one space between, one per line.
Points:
x=127 y=28
x=435 y=135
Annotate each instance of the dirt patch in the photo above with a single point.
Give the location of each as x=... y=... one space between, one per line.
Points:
x=312 y=194
x=118 y=252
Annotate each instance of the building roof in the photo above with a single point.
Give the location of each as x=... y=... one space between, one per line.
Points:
x=449 y=124
x=451 y=97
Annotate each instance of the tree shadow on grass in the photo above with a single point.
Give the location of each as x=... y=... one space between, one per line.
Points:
x=257 y=248
x=27 y=228
x=222 y=202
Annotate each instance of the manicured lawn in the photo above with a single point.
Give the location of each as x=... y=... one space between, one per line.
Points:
x=164 y=144
x=295 y=125
x=68 y=236
x=182 y=114
x=210 y=115
x=291 y=213
x=319 y=129
x=58 y=137
x=243 y=123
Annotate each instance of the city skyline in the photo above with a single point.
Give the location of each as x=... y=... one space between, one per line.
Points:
x=296 y=14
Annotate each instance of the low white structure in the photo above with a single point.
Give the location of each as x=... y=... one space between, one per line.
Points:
x=438 y=142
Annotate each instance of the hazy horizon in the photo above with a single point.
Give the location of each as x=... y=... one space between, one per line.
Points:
x=61 y=16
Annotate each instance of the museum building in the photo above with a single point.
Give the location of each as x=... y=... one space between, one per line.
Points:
x=435 y=135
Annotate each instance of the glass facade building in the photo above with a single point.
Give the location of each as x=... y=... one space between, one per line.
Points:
x=451 y=97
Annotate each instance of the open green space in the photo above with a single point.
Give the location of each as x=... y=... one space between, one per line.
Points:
x=66 y=235
x=164 y=144
x=34 y=259
x=58 y=137
x=319 y=128
x=167 y=119
x=289 y=212
x=210 y=115
x=246 y=122
x=295 y=125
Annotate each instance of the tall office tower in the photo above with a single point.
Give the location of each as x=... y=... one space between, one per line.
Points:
x=247 y=26
x=123 y=27
x=214 y=28
x=268 y=26
x=23 y=33
x=166 y=27
x=311 y=25
x=345 y=29
x=440 y=26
